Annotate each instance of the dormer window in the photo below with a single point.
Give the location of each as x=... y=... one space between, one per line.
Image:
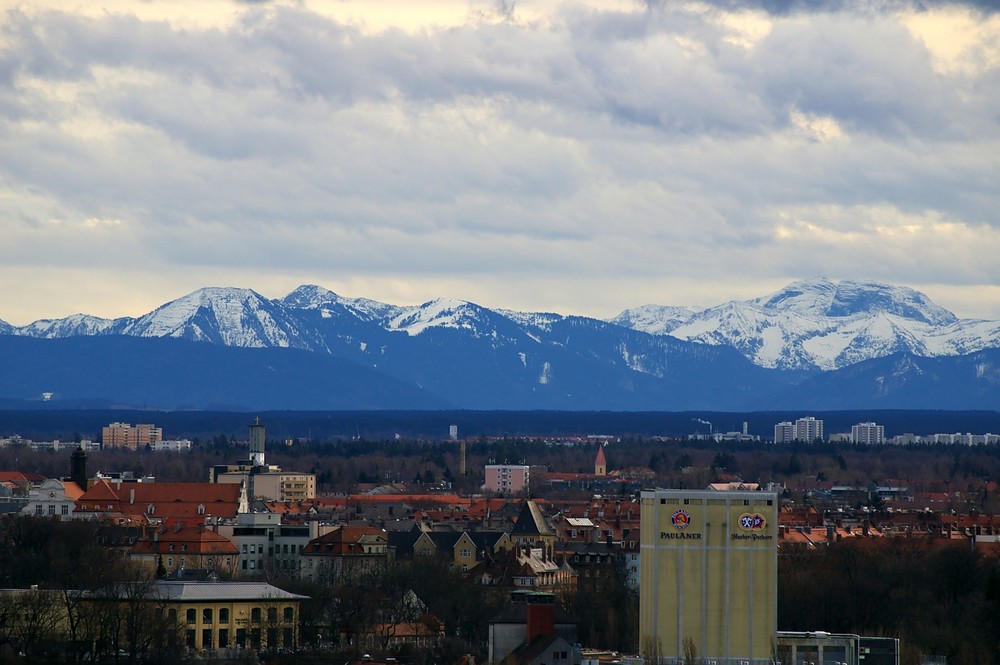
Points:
x=150 y=509
x=201 y=509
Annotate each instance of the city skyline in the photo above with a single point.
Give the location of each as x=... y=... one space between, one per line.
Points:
x=537 y=156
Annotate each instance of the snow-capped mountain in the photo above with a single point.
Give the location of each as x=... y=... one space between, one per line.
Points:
x=821 y=324
x=370 y=354
x=227 y=316
x=71 y=326
x=655 y=319
x=329 y=304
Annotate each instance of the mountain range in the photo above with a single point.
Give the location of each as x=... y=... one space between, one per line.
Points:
x=813 y=344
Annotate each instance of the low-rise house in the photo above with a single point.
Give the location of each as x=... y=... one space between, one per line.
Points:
x=532 y=630
x=53 y=498
x=186 y=547
x=525 y=568
x=346 y=552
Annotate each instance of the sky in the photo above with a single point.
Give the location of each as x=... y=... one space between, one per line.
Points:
x=580 y=157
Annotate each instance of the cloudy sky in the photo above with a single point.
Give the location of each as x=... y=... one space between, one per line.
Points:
x=579 y=157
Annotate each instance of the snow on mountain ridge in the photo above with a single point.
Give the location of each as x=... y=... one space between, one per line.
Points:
x=309 y=296
x=438 y=313
x=825 y=325
x=655 y=319
x=75 y=324
x=809 y=324
x=229 y=316
x=823 y=297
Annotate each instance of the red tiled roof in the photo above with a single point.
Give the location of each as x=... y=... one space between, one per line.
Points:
x=189 y=540
x=168 y=500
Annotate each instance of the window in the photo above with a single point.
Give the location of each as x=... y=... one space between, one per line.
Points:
x=289 y=637
x=38 y=509
x=170 y=562
x=289 y=615
x=170 y=547
x=464 y=553
x=255 y=615
x=206 y=615
x=52 y=509
x=223 y=636
x=272 y=615
x=253 y=565
x=172 y=615
x=253 y=548
x=224 y=615
x=191 y=616
x=206 y=638
x=244 y=548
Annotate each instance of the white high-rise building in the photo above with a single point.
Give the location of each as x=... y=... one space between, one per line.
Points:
x=808 y=429
x=868 y=433
x=784 y=432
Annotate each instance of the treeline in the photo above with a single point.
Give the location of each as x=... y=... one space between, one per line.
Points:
x=341 y=465
x=938 y=599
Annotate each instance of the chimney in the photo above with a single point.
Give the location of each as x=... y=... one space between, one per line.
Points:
x=541 y=617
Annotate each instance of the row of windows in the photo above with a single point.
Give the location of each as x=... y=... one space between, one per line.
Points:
x=281 y=549
x=207 y=615
x=40 y=510
x=244 y=638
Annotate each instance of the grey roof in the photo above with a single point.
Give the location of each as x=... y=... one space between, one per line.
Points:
x=531 y=521
x=202 y=591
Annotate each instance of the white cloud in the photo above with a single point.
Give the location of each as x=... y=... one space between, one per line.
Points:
x=563 y=156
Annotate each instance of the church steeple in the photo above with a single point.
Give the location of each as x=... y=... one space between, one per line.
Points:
x=600 y=463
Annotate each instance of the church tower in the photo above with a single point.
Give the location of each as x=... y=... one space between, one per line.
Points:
x=600 y=463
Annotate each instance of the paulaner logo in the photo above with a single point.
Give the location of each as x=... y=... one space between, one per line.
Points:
x=752 y=522
x=681 y=519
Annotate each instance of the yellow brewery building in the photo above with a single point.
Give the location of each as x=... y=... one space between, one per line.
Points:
x=709 y=572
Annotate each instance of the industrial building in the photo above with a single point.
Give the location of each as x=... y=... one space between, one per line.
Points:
x=709 y=576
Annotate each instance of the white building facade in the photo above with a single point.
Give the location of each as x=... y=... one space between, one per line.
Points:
x=868 y=433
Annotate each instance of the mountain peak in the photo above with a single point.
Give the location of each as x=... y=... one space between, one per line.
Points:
x=309 y=296
x=847 y=298
x=223 y=315
x=437 y=313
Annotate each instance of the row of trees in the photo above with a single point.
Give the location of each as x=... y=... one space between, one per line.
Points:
x=939 y=599
x=341 y=465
